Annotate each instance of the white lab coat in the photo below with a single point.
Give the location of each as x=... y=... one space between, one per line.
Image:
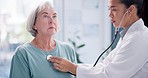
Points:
x=128 y=60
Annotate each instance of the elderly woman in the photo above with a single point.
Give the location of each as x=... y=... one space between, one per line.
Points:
x=30 y=60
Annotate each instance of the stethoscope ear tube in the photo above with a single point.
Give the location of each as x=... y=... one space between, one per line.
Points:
x=115 y=36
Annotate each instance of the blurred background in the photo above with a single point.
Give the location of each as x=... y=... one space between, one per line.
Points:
x=83 y=23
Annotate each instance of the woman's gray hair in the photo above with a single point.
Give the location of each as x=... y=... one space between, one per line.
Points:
x=32 y=17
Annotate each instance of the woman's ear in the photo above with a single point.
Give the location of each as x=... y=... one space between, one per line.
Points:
x=34 y=27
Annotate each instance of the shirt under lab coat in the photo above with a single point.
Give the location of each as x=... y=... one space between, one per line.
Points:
x=128 y=60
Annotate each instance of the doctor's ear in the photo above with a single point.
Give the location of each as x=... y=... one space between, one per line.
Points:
x=132 y=9
x=128 y=11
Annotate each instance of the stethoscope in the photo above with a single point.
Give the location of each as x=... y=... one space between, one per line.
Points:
x=115 y=36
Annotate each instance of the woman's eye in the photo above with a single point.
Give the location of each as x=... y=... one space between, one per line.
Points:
x=54 y=16
x=45 y=16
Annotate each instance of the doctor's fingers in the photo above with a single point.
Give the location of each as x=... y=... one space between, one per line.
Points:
x=56 y=66
x=55 y=60
x=59 y=67
x=55 y=57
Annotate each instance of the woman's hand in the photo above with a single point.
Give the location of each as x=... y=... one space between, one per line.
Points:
x=63 y=65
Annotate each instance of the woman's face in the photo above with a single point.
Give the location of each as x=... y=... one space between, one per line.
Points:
x=116 y=12
x=46 y=22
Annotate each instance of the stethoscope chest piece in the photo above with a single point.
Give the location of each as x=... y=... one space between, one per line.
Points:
x=48 y=57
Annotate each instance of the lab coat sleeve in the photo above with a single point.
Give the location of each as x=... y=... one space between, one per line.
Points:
x=128 y=60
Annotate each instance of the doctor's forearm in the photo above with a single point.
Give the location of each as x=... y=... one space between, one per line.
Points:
x=73 y=68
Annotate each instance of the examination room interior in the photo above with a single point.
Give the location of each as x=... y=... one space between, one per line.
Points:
x=84 y=23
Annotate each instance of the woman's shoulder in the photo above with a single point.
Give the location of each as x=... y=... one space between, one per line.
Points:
x=22 y=48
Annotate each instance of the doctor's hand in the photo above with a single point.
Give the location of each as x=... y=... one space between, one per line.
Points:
x=63 y=65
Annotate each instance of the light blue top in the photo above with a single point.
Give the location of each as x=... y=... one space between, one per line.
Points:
x=30 y=61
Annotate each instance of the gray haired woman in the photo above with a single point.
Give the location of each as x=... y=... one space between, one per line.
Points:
x=30 y=60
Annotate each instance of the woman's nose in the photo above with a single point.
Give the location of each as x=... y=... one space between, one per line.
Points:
x=51 y=20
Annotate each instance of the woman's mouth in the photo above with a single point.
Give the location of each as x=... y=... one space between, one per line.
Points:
x=51 y=28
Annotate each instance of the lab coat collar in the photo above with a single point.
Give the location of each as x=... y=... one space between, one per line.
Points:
x=138 y=24
x=135 y=26
x=123 y=32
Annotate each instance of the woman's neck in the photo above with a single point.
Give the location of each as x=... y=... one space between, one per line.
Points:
x=46 y=44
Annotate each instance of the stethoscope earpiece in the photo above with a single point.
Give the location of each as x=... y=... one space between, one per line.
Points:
x=127 y=11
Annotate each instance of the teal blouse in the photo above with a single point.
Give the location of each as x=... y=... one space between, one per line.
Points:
x=30 y=61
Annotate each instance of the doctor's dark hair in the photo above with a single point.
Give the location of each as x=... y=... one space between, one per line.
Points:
x=141 y=6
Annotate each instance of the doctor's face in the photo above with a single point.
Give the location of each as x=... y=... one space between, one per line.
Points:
x=116 y=12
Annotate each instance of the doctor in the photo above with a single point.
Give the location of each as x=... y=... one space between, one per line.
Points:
x=130 y=57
